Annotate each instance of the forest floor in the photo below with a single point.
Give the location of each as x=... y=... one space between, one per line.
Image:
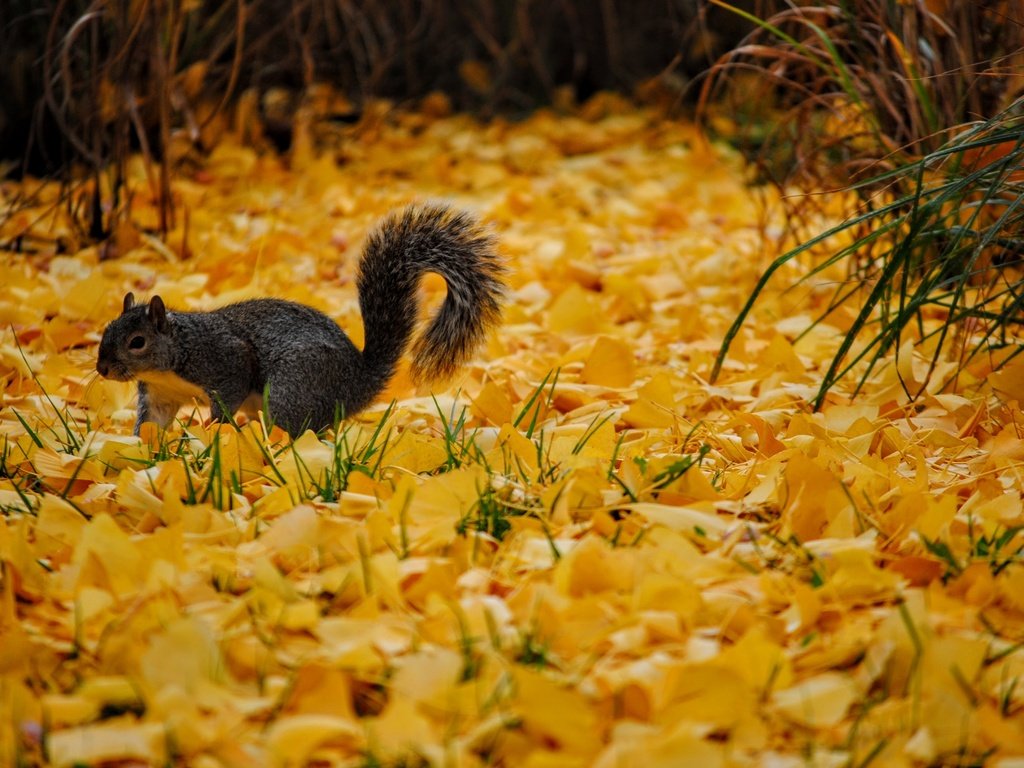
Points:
x=583 y=552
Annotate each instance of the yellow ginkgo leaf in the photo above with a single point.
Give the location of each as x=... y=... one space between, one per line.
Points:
x=818 y=702
x=610 y=364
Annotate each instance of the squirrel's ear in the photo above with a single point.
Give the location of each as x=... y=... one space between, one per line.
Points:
x=129 y=302
x=158 y=313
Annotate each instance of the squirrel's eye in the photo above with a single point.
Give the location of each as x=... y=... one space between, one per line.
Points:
x=137 y=342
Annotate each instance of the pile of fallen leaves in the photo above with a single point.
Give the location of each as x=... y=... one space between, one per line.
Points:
x=582 y=553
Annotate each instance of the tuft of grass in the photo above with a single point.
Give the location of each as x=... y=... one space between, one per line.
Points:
x=348 y=456
x=533 y=651
x=999 y=550
x=459 y=443
x=909 y=112
x=534 y=405
x=677 y=469
x=940 y=265
x=488 y=515
x=71 y=438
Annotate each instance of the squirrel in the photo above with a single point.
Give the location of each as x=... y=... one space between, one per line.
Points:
x=296 y=357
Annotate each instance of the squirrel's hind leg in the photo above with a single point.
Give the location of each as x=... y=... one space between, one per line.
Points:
x=222 y=411
x=297 y=405
x=227 y=399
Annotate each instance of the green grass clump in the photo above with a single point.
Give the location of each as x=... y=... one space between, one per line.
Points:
x=908 y=113
x=950 y=248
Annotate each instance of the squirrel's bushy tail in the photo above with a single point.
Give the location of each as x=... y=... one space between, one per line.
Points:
x=408 y=243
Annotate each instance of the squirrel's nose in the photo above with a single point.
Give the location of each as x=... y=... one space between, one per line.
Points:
x=102 y=367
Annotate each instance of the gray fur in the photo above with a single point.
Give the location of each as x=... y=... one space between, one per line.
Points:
x=312 y=370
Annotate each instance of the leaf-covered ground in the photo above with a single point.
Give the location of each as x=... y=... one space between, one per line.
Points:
x=582 y=553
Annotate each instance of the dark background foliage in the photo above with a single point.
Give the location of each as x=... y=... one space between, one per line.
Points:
x=86 y=81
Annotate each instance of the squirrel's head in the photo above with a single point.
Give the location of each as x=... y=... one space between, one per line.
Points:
x=136 y=342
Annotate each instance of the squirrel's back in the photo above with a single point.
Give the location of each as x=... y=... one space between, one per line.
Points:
x=275 y=326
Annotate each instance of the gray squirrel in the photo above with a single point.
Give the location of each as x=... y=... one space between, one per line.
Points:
x=311 y=371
